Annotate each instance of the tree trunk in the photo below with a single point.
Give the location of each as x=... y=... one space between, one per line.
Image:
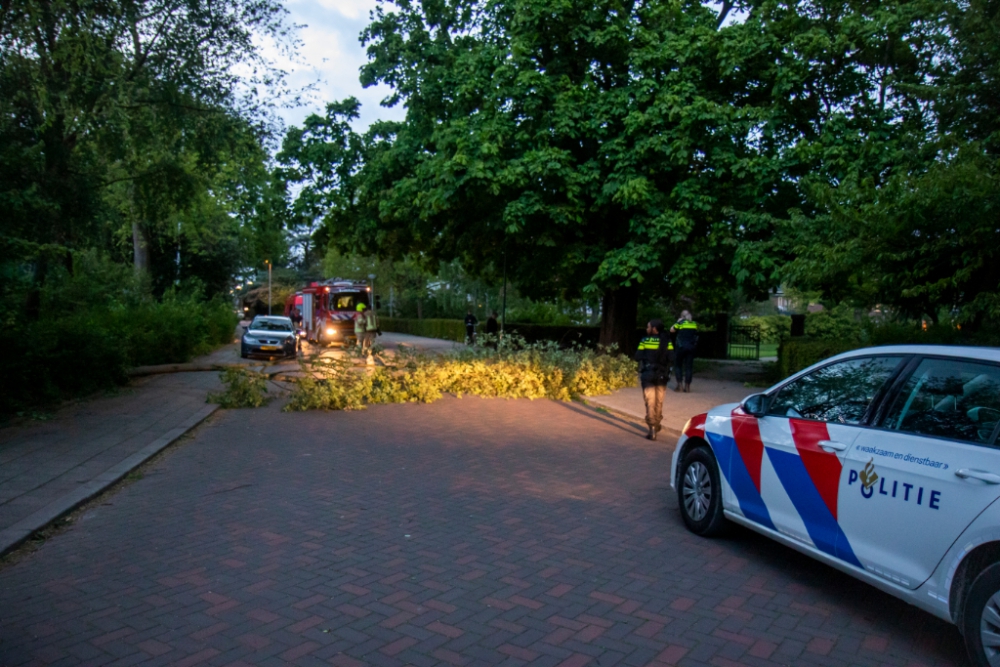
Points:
x=619 y=308
x=140 y=248
x=420 y=310
x=33 y=300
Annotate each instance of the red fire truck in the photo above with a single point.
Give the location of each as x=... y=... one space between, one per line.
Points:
x=328 y=309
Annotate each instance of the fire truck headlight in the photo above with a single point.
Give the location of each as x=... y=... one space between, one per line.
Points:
x=331 y=332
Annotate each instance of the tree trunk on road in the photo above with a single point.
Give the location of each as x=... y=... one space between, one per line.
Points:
x=619 y=308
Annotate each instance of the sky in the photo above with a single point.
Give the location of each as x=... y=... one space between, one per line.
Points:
x=330 y=56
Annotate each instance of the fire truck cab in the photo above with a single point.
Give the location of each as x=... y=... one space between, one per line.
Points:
x=328 y=309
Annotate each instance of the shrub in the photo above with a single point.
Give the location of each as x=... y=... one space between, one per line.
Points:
x=794 y=354
x=244 y=389
x=74 y=353
x=444 y=329
x=773 y=328
x=513 y=369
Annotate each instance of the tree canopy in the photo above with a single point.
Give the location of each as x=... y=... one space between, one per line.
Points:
x=614 y=147
x=134 y=124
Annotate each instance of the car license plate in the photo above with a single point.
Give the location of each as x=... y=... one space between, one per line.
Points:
x=269 y=347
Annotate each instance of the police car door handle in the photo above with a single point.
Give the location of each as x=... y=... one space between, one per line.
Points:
x=832 y=445
x=982 y=476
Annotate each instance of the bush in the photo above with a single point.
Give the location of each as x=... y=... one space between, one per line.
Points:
x=514 y=369
x=794 y=354
x=773 y=328
x=444 y=329
x=80 y=352
x=244 y=389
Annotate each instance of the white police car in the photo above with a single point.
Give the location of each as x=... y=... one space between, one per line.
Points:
x=882 y=462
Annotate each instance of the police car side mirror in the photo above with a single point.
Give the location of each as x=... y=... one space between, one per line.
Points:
x=756 y=405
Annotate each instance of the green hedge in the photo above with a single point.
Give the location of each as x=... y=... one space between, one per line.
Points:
x=443 y=329
x=455 y=330
x=59 y=357
x=794 y=354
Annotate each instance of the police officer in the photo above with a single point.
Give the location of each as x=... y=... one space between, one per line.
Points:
x=685 y=333
x=653 y=356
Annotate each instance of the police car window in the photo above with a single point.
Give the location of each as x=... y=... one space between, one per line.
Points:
x=838 y=393
x=949 y=399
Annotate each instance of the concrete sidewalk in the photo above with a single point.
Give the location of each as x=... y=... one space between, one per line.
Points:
x=49 y=468
x=717 y=382
x=677 y=407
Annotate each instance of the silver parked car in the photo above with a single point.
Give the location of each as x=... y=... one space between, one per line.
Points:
x=269 y=336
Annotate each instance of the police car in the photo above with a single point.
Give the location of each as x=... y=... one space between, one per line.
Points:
x=882 y=462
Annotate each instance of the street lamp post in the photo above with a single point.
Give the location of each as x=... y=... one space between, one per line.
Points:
x=268 y=262
x=503 y=316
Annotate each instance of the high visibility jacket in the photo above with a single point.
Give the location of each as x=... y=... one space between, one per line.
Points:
x=653 y=356
x=360 y=322
x=686 y=334
x=371 y=321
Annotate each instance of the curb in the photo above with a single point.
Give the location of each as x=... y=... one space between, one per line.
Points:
x=626 y=416
x=14 y=535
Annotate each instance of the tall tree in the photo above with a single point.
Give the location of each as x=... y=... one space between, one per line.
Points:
x=900 y=187
x=95 y=93
x=600 y=146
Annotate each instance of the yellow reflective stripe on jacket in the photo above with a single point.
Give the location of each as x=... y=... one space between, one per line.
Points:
x=684 y=324
x=649 y=344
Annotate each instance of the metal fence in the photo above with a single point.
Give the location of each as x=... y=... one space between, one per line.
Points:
x=744 y=343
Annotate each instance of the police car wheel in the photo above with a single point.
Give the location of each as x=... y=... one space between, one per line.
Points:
x=699 y=493
x=981 y=618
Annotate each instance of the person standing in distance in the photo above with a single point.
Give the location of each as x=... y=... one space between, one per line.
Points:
x=361 y=326
x=653 y=356
x=685 y=332
x=470 y=327
x=493 y=328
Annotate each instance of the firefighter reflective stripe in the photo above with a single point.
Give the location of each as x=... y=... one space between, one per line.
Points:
x=685 y=324
x=670 y=345
x=649 y=343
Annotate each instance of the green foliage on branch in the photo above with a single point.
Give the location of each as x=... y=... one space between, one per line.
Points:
x=511 y=370
x=244 y=388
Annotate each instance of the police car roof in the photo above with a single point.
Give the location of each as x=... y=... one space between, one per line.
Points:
x=959 y=351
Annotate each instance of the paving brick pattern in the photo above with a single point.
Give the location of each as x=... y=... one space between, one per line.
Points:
x=41 y=462
x=465 y=532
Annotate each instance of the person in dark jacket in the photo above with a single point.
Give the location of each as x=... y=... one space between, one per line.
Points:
x=470 y=327
x=493 y=329
x=653 y=356
x=492 y=325
x=685 y=333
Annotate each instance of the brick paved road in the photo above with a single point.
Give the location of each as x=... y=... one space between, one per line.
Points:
x=463 y=532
